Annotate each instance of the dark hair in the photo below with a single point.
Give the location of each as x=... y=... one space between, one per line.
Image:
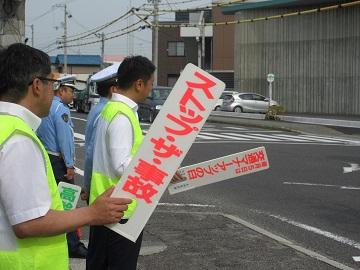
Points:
x=19 y=64
x=103 y=88
x=133 y=68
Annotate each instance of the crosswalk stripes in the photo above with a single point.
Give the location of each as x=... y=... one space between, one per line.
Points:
x=225 y=136
x=333 y=139
x=204 y=136
x=251 y=136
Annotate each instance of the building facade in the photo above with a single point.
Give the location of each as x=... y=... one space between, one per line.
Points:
x=315 y=57
x=179 y=45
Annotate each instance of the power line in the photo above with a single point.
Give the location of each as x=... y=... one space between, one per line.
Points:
x=119 y=35
x=273 y=17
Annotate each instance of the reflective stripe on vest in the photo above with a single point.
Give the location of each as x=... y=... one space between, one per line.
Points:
x=35 y=253
x=100 y=182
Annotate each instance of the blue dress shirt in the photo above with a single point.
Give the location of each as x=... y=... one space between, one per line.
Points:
x=56 y=132
x=90 y=140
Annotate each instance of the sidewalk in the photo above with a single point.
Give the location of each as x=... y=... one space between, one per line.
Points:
x=336 y=126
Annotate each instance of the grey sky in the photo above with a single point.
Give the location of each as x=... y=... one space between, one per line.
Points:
x=87 y=15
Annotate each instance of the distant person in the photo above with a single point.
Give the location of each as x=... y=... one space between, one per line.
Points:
x=105 y=80
x=32 y=219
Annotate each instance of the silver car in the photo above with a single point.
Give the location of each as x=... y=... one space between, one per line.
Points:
x=246 y=102
x=220 y=100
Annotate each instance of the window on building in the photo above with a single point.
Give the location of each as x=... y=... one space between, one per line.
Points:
x=176 y=48
x=171 y=79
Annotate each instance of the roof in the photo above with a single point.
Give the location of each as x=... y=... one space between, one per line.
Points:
x=74 y=59
x=257 y=4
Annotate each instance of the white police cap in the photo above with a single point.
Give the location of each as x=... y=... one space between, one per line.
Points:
x=67 y=80
x=106 y=73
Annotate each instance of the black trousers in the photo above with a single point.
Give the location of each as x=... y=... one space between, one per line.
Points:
x=60 y=170
x=109 y=250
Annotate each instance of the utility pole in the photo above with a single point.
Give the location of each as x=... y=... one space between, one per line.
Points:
x=201 y=42
x=130 y=37
x=102 y=49
x=155 y=38
x=65 y=34
x=32 y=35
x=65 y=40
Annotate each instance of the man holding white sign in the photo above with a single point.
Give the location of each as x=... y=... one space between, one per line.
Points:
x=118 y=136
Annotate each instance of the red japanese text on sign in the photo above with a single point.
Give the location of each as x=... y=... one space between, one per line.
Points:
x=142 y=185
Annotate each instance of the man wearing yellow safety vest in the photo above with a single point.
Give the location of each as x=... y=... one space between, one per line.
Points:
x=118 y=136
x=32 y=220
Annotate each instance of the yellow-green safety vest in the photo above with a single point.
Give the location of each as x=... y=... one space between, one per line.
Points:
x=34 y=253
x=100 y=182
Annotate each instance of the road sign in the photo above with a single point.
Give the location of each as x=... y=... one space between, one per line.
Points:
x=220 y=169
x=270 y=77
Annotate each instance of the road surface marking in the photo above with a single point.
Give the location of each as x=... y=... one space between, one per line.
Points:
x=79 y=136
x=186 y=204
x=288 y=243
x=321 y=185
x=224 y=136
x=337 y=238
x=252 y=136
x=76 y=118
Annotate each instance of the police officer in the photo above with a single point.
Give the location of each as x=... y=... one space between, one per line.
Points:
x=105 y=80
x=56 y=133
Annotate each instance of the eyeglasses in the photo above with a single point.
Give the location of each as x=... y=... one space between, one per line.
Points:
x=43 y=79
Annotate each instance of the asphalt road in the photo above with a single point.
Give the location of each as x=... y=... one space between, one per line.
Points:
x=304 y=198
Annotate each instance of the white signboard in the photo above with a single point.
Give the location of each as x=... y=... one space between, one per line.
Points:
x=220 y=169
x=69 y=194
x=165 y=146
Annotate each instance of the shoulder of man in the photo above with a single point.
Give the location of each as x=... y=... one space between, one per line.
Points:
x=63 y=112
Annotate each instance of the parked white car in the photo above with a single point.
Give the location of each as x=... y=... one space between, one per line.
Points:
x=220 y=100
x=246 y=102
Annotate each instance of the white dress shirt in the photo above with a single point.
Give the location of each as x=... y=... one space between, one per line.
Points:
x=24 y=190
x=113 y=142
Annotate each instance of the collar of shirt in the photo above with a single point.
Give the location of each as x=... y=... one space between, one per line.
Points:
x=118 y=97
x=20 y=111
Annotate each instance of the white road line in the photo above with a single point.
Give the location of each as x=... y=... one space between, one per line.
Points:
x=337 y=238
x=200 y=136
x=224 y=136
x=79 y=136
x=81 y=119
x=324 y=139
x=252 y=136
x=79 y=171
x=186 y=204
x=333 y=139
x=288 y=243
x=321 y=185
x=292 y=138
x=270 y=136
x=236 y=128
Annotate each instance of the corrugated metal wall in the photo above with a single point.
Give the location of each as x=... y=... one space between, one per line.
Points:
x=315 y=59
